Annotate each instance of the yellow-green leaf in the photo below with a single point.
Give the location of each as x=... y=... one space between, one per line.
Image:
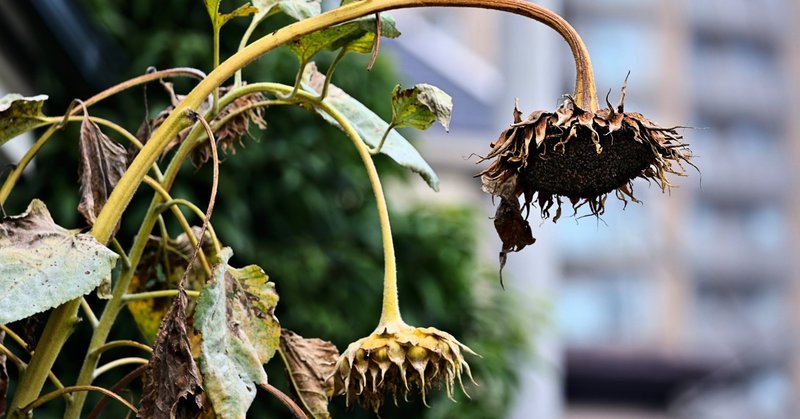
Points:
x=19 y=114
x=355 y=36
x=234 y=315
x=420 y=106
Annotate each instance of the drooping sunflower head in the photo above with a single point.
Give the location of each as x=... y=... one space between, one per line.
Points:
x=396 y=357
x=579 y=155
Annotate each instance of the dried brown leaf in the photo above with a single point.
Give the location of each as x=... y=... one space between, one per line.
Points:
x=172 y=386
x=513 y=229
x=311 y=363
x=102 y=164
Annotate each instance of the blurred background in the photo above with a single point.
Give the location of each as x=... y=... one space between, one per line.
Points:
x=682 y=307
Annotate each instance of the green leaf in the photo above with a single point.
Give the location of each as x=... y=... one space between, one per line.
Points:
x=19 y=114
x=368 y=125
x=420 y=106
x=243 y=10
x=240 y=333
x=43 y=265
x=356 y=36
x=212 y=7
x=298 y=9
x=219 y=19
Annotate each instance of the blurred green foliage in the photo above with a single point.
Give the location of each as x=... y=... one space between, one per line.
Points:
x=296 y=201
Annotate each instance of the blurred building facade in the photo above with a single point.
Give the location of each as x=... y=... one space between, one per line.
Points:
x=684 y=306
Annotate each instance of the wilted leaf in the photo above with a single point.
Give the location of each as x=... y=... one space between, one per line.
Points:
x=161 y=267
x=311 y=363
x=298 y=9
x=240 y=333
x=420 y=106
x=171 y=386
x=368 y=125
x=3 y=379
x=241 y=11
x=43 y=265
x=19 y=114
x=513 y=229
x=102 y=164
x=357 y=36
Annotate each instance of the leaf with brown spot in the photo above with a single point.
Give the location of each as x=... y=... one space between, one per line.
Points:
x=102 y=164
x=235 y=315
x=43 y=265
x=311 y=364
x=172 y=387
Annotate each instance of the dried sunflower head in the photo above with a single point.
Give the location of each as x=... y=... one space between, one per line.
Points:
x=231 y=123
x=395 y=355
x=579 y=155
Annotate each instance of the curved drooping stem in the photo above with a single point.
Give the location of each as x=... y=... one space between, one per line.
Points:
x=390 y=310
x=584 y=90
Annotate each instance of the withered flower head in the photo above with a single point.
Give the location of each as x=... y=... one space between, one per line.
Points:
x=235 y=119
x=579 y=155
x=395 y=355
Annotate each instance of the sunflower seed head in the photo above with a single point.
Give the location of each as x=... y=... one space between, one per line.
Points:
x=395 y=359
x=578 y=155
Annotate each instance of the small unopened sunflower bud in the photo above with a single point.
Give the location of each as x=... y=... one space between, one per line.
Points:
x=396 y=357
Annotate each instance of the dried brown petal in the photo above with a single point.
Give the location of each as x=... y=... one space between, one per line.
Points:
x=513 y=229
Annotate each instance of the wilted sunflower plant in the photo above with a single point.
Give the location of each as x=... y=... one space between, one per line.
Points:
x=207 y=328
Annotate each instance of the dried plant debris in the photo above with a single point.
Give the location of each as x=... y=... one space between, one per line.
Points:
x=172 y=385
x=237 y=117
x=3 y=378
x=162 y=266
x=579 y=156
x=311 y=364
x=102 y=164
